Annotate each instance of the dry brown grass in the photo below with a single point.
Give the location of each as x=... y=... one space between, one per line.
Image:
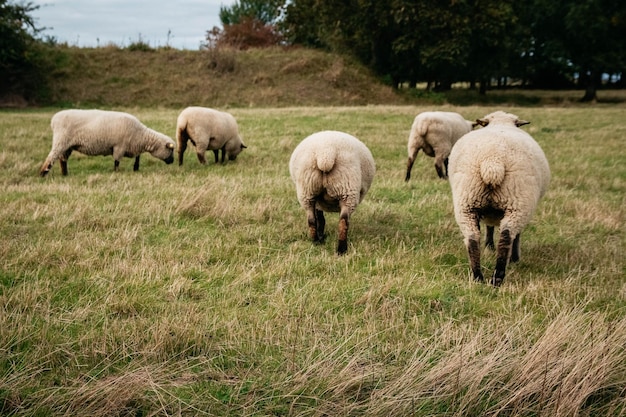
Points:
x=194 y=290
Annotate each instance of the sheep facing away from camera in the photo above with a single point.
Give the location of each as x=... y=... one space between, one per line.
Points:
x=208 y=129
x=332 y=172
x=498 y=174
x=100 y=132
x=435 y=132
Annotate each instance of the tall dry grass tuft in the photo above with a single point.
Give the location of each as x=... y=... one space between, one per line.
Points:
x=514 y=369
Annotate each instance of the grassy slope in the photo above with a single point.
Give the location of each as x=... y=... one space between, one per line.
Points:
x=275 y=77
x=194 y=289
x=226 y=78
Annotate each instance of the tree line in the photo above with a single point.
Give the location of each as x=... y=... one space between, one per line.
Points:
x=539 y=44
x=536 y=43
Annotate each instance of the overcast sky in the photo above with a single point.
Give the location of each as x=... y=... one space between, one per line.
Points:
x=91 y=23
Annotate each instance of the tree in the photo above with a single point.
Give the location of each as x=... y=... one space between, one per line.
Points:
x=267 y=12
x=248 y=24
x=541 y=42
x=595 y=38
x=19 y=65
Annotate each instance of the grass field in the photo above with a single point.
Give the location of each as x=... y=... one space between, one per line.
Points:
x=194 y=290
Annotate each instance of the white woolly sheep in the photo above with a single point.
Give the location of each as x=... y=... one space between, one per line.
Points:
x=436 y=132
x=332 y=172
x=498 y=174
x=208 y=129
x=100 y=132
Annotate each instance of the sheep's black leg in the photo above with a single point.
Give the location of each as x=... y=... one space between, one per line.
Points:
x=440 y=171
x=216 y=153
x=473 y=251
x=409 y=167
x=223 y=153
x=489 y=238
x=445 y=164
x=502 y=257
x=116 y=165
x=472 y=242
x=136 y=166
x=63 y=161
x=320 y=222
x=182 y=147
x=315 y=218
x=515 y=252
x=344 y=223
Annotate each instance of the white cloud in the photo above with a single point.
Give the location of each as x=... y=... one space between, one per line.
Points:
x=101 y=22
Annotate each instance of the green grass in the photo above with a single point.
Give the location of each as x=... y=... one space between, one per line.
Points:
x=194 y=290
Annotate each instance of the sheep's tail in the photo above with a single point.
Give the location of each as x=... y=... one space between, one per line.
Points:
x=326 y=158
x=492 y=171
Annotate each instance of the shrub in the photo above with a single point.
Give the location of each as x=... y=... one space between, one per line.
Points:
x=248 y=33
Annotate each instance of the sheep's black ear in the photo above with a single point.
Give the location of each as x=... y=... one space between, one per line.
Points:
x=482 y=122
x=243 y=146
x=520 y=122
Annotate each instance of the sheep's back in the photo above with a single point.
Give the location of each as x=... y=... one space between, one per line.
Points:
x=94 y=128
x=203 y=123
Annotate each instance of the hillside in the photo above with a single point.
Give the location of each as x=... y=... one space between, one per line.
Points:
x=174 y=78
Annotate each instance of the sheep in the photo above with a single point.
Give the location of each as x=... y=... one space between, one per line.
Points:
x=498 y=174
x=101 y=132
x=332 y=172
x=436 y=132
x=208 y=129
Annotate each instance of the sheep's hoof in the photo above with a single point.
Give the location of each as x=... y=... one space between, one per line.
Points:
x=342 y=247
x=478 y=277
x=319 y=240
x=497 y=281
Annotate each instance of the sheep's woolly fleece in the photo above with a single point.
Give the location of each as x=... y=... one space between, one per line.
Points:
x=208 y=130
x=332 y=172
x=100 y=132
x=498 y=174
x=435 y=132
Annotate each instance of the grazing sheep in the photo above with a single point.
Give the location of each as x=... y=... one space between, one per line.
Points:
x=498 y=174
x=100 y=132
x=208 y=129
x=332 y=172
x=436 y=132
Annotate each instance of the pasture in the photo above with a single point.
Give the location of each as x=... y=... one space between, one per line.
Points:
x=195 y=290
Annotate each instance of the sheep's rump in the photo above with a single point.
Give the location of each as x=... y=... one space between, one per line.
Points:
x=331 y=166
x=498 y=170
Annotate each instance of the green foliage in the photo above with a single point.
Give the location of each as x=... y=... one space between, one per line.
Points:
x=543 y=44
x=265 y=11
x=27 y=65
x=248 y=24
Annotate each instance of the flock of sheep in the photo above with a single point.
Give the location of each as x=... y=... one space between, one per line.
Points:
x=497 y=173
